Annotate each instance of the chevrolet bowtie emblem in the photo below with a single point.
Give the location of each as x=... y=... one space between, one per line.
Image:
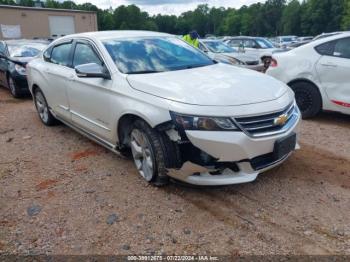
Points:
x=281 y=120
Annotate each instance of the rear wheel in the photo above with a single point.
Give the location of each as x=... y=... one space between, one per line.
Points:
x=153 y=153
x=308 y=98
x=13 y=87
x=43 y=109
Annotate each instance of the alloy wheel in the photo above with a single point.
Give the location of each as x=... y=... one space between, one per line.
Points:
x=41 y=106
x=142 y=154
x=304 y=100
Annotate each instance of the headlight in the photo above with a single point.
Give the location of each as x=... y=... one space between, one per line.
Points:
x=20 y=70
x=203 y=123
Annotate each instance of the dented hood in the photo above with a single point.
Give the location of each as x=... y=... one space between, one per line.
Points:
x=216 y=85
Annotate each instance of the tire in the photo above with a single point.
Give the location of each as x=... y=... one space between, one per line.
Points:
x=308 y=98
x=153 y=153
x=43 y=109
x=13 y=87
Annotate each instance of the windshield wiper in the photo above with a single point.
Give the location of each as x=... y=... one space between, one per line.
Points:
x=145 y=72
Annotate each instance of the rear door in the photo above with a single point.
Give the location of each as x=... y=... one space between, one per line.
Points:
x=58 y=72
x=89 y=98
x=334 y=71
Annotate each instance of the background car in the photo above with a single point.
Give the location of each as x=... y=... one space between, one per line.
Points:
x=305 y=38
x=14 y=55
x=319 y=74
x=257 y=46
x=221 y=52
x=285 y=41
x=297 y=44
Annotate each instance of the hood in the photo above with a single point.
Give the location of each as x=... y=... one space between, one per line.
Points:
x=242 y=57
x=216 y=85
x=21 y=60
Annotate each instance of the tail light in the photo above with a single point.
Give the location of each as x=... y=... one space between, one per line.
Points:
x=273 y=63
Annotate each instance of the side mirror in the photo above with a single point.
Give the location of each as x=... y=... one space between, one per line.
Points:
x=92 y=70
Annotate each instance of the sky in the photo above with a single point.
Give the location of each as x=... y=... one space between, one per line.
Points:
x=168 y=6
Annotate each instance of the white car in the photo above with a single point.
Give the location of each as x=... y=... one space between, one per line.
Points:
x=181 y=114
x=256 y=46
x=223 y=53
x=285 y=41
x=319 y=74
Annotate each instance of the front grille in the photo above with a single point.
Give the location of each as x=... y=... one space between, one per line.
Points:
x=265 y=125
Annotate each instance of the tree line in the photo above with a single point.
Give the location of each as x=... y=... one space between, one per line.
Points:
x=272 y=18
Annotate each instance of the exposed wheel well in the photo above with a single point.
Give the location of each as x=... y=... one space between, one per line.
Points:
x=124 y=128
x=35 y=87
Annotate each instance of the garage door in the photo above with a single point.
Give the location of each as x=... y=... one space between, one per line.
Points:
x=61 y=25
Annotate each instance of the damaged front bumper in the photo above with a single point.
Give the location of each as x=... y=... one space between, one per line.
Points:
x=231 y=157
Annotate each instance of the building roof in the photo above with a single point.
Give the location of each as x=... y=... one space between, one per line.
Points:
x=44 y=9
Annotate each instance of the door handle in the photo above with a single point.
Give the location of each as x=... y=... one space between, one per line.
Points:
x=329 y=65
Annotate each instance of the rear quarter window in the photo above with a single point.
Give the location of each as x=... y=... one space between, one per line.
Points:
x=326 y=48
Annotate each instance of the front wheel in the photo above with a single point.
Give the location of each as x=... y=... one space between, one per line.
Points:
x=308 y=99
x=153 y=153
x=43 y=109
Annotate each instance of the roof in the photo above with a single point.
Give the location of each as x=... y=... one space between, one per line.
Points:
x=44 y=9
x=103 y=35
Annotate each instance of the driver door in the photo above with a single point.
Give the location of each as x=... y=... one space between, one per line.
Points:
x=90 y=98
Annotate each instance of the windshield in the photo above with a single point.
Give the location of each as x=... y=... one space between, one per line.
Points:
x=154 y=54
x=219 y=47
x=25 y=49
x=264 y=44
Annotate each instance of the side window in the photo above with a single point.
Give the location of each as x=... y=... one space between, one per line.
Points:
x=326 y=48
x=249 y=43
x=235 y=43
x=60 y=54
x=342 y=48
x=85 y=54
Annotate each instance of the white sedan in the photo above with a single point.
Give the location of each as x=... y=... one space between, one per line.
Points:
x=178 y=112
x=318 y=73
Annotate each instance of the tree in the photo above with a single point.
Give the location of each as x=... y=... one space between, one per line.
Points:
x=346 y=17
x=290 y=21
x=271 y=18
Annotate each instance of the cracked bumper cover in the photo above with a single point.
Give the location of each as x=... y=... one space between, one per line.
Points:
x=234 y=147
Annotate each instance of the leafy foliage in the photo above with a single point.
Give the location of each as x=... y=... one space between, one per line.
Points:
x=274 y=17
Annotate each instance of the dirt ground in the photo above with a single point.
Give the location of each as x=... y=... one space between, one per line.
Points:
x=62 y=194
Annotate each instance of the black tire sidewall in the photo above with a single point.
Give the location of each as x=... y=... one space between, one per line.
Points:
x=160 y=177
x=15 y=93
